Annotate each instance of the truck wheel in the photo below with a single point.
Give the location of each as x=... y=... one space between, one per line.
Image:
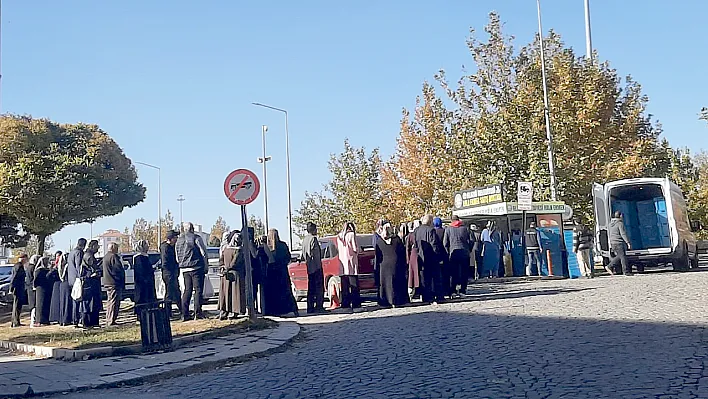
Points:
x=682 y=263
x=694 y=261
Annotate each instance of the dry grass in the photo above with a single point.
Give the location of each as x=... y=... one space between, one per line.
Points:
x=126 y=334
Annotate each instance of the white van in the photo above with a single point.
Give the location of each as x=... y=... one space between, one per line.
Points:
x=656 y=219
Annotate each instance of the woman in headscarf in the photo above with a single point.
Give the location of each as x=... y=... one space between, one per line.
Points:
x=90 y=272
x=55 y=302
x=348 y=252
x=412 y=258
x=144 y=277
x=44 y=278
x=491 y=241
x=224 y=241
x=277 y=295
x=29 y=287
x=232 y=289
x=66 y=302
x=391 y=255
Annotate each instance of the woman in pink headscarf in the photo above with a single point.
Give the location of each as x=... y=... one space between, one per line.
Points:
x=348 y=251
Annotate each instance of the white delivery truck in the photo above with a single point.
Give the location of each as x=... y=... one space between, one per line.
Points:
x=655 y=217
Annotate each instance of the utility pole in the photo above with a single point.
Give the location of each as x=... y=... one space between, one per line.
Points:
x=547 y=113
x=588 y=35
x=287 y=168
x=264 y=159
x=181 y=220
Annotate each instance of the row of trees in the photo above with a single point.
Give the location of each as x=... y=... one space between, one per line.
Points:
x=148 y=230
x=489 y=127
x=53 y=175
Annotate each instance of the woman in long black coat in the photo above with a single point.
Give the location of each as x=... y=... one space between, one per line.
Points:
x=55 y=302
x=66 y=302
x=44 y=278
x=278 y=297
x=91 y=273
x=144 y=277
x=18 y=289
x=392 y=266
x=232 y=288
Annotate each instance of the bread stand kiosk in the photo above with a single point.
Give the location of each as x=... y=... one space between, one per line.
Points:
x=480 y=205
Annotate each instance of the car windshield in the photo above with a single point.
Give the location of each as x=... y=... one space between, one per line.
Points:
x=213 y=253
x=5 y=270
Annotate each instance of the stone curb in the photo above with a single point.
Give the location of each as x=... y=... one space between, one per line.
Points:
x=274 y=341
x=103 y=351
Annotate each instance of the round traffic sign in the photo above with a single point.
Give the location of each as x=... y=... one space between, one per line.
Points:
x=242 y=186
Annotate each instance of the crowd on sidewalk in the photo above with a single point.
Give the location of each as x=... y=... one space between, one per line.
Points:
x=419 y=259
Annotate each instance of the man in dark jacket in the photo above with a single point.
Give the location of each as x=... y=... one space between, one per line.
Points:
x=456 y=241
x=431 y=253
x=534 y=250
x=476 y=255
x=191 y=254
x=312 y=256
x=582 y=244
x=114 y=281
x=170 y=271
x=619 y=244
x=76 y=257
x=18 y=289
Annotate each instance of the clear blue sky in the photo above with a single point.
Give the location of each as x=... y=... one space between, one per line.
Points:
x=172 y=81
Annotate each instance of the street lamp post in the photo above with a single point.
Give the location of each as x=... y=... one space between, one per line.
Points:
x=181 y=220
x=287 y=169
x=588 y=36
x=264 y=159
x=546 y=108
x=159 y=199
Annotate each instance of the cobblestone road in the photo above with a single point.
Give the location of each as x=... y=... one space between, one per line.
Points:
x=620 y=337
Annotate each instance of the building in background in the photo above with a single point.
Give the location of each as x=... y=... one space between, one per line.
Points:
x=107 y=238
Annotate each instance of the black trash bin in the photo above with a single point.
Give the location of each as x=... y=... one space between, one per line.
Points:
x=155 y=329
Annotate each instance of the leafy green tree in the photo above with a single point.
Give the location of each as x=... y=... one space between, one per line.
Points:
x=353 y=194
x=53 y=175
x=143 y=230
x=258 y=226
x=600 y=127
x=11 y=234
x=218 y=230
x=32 y=246
x=125 y=241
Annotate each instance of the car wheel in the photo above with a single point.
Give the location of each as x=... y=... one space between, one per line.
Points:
x=683 y=263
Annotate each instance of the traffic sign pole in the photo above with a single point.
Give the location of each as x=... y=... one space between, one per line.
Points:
x=241 y=187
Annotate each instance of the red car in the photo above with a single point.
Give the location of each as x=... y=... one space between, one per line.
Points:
x=331 y=266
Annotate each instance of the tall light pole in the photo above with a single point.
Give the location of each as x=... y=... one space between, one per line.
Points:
x=588 y=36
x=546 y=108
x=287 y=169
x=181 y=220
x=264 y=159
x=159 y=200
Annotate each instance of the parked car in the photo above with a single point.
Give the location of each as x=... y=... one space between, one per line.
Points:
x=127 y=258
x=331 y=267
x=213 y=271
x=655 y=216
x=5 y=276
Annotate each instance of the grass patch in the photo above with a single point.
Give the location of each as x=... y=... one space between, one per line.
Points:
x=122 y=335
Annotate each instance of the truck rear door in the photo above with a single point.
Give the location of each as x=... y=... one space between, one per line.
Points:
x=599 y=199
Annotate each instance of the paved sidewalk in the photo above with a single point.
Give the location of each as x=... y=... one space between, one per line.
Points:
x=25 y=377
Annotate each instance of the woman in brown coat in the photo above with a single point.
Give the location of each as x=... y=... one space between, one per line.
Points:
x=232 y=289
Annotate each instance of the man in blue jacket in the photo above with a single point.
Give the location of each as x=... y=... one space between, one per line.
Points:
x=73 y=271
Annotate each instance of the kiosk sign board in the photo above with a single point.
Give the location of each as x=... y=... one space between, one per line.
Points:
x=524 y=195
x=481 y=196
